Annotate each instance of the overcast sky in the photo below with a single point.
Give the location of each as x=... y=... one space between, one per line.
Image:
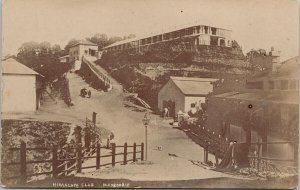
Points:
x=255 y=23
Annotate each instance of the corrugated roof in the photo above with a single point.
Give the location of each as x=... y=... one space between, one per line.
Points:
x=194 y=86
x=84 y=42
x=11 y=66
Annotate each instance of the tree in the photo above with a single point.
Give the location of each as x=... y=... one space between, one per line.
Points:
x=71 y=43
x=100 y=39
x=114 y=39
x=28 y=49
x=129 y=36
x=56 y=49
x=45 y=47
x=43 y=58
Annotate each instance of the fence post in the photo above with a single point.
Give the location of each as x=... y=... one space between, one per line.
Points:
x=134 y=152
x=206 y=152
x=79 y=157
x=142 y=151
x=23 y=162
x=54 y=162
x=98 y=153
x=258 y=156
x=113 y=154
x=125 y=154
x=296 y=153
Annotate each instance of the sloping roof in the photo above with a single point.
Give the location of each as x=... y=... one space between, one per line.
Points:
x=84 y=42
x=11 y=66
x=64 y=56
x=286 y=97
x=194 y=86
x=289 y=67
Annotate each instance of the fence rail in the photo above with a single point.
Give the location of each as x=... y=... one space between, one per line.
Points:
x=218 y=146
x=67 y=166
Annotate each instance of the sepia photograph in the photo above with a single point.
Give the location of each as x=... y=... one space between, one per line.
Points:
x=150 y=94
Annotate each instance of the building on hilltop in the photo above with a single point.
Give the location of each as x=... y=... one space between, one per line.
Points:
x=80 y=49
x=183 y=93
x=200 y=35
x=21 y=87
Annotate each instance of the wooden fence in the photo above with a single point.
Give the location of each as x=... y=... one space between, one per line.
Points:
x=63 y=166
x=217 y=145
x=266 y=164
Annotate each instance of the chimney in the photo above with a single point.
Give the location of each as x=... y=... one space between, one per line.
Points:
x=275 y=54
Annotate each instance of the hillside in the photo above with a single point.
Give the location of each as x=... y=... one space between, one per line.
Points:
x=146 y=72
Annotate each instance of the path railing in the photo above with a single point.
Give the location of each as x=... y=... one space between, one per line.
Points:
x=259 y=162
x=63 y=166
x=101 y=76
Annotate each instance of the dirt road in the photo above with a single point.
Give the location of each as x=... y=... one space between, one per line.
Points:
x=172 y=162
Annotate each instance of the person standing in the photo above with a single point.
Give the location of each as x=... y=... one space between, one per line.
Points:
x=166 y=112
x=89 y=94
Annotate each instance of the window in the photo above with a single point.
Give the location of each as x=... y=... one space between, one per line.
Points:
x=284 y=84
x=160 y=38
x=271 y=85
x=293 y=84
x=148 y=40
x=254 y=85
x=214 y=31
x=193 y=105
x=206 y=29
x=198 y=29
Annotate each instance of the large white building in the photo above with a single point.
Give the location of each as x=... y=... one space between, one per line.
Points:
x=200 y=35
x=20 y=88
x=183 y=93
x=80 y=49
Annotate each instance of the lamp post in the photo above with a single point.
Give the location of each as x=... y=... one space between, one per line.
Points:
x=146 y=121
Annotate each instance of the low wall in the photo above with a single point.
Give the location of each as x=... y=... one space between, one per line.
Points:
x=93 y=76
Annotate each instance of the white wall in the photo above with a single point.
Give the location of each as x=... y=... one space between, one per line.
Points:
x=72 y=54
x=19 y=93
x=84 y=48
x=80 y=51
x=190 y=99
x=204 y=39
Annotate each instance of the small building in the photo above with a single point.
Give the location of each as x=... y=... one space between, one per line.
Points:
x=184 y=93
x=80 y=49
x=21 y=87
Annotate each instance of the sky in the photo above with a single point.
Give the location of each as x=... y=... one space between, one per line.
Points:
x=255 y=23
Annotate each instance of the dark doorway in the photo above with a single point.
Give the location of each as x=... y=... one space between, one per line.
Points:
x=213 y=40
x=222 y=42
x=171 y=107
x=92 y=52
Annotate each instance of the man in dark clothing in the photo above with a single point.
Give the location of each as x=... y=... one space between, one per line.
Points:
x=89 y=94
